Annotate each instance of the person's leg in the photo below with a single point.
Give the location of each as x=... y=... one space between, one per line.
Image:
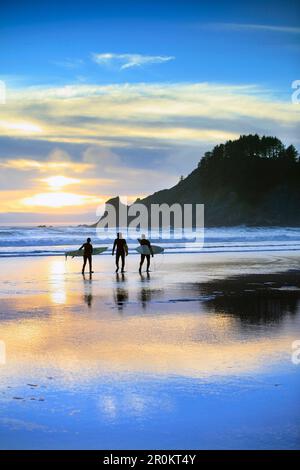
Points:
x=84 y=263
x=123 y=261
x=90 y=264
x=117 y=261
x=142 y=262
x=148 y=262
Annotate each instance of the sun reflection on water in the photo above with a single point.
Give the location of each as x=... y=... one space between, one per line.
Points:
x=58 y=294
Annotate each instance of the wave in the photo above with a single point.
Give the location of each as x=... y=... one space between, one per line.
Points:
x=53 y=241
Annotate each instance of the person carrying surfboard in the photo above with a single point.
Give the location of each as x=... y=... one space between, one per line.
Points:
x=121 y=249
x=144 y=242
x=87 y=254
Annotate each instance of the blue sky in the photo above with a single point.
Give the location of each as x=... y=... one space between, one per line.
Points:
x=138 y=88
x=211 y=41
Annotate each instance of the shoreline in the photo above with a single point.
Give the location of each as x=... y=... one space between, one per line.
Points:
x=166 y=252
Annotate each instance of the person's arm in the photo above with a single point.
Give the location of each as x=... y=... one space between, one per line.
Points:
x=113 y=250
x=126 y=248
x=92 y=249
x=139 y=240
x=82 y=246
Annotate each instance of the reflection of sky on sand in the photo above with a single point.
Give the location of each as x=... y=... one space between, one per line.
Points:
x=112 y=406
x=249 y=412
x=187 y=344
x=130 y=357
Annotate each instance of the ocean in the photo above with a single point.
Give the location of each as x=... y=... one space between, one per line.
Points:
x=18 y=241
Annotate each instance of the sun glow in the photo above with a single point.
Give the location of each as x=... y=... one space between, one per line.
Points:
x=58 y=199
x=23 y=127
x=57 y=182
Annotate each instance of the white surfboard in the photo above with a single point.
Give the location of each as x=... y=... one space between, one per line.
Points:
x=144 y=249
x=76 y=253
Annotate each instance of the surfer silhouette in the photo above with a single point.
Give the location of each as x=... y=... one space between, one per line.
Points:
x=144 y=242
x=87 y=254
x=121 y=249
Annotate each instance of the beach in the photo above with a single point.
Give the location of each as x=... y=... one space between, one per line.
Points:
x=197 y=354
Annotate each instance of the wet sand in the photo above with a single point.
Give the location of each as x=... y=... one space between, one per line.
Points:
x=195 y=355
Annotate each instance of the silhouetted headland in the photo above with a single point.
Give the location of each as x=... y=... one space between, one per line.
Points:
x=252 y=181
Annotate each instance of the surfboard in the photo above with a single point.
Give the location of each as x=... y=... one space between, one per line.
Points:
x=144 y=249
x=96 y=251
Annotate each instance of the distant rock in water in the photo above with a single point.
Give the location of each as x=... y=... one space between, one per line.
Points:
x=252 y=181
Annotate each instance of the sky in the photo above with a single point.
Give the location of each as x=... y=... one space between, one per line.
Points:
x=123 y=97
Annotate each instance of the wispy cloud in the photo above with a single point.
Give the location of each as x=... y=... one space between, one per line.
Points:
x=22 y=164
x=255 y=27
x=126 y=61
x=157 y=113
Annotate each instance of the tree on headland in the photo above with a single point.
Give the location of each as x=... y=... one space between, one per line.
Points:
x=291 y=154
x=250 y=167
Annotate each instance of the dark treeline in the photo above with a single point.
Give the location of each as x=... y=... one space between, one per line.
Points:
x=252 y=180
x=249 y=167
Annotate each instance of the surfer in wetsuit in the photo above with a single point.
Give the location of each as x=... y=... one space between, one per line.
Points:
x=87 y=254
x=144 y=242
x=121 y=249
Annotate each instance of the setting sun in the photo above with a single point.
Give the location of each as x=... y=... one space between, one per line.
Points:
x=57 y=182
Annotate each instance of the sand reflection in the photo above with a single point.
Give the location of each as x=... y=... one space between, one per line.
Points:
x=182 y=344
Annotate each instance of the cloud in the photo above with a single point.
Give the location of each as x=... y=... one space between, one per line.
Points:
x=22 y=164
x=126 y=61
x=27 y=184
x=147 y=115
x=255 y=27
